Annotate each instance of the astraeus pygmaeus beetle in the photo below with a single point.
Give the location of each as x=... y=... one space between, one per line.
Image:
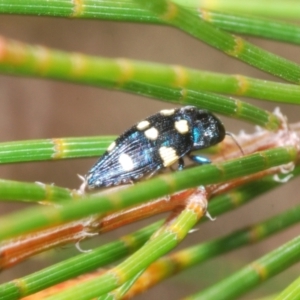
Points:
x=155 y=143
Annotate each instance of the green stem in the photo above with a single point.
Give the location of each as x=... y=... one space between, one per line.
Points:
x=35 y=218
x=249 y=25
x=119 y=73
x=75 y=266
x=34 y=192
x=213 y=102
x=53 y=149
x=252 y=275
x=277 y=8
x=234 y=46
x=180 y=261
x=292 y=292
x=129 y=11
x=165 y=239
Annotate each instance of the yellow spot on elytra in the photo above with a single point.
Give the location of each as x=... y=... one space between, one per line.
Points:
x=78 y=8
x=168 y=155
x=181 y=76
x=111 y=147
x=167 y=112
x=59 y=148
x=260 y=270
x=126 y=162
x=126 y=70
x=171 y=11
x=242 y=83
x=143 y=125
x=182 y=126
x=151 y=133
x=238 y=47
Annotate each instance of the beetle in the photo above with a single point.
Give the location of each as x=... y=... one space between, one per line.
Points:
x=155 y=143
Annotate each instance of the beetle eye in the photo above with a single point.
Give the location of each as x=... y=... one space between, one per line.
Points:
x=221 y=129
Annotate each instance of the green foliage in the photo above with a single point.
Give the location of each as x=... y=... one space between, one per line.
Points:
x=228 y=183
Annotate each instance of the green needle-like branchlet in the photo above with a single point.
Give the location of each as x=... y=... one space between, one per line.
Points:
x=35 y=218
x=34 y=192
x=122 y=290
x=161 y=242
x=179 y=261
x=109 y=253
x=253 y=274
x=126 y=74
x=277 y=8
x=77 y=265
x=52 y=149
x=212 y=22
x=182 y=18
x=213 y=102
x=130 y=11
x=292 y=292
x=251 y=25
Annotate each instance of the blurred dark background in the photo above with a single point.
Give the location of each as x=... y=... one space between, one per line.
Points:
x=37 y=109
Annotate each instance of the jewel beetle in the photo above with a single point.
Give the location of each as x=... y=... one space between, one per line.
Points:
x=155 y=143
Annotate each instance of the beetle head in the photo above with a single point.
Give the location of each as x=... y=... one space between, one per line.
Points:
x=207 y=131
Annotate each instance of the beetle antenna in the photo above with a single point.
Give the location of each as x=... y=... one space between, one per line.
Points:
x=235 y=141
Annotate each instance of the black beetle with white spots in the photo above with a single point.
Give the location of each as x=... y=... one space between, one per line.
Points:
x=155 y=143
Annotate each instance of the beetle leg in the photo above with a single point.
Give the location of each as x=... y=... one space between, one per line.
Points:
x=201 y=160
x=180 y=164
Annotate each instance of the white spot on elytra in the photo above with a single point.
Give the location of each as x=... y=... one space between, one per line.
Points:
x=168 y=155
x=143 y=125
x=151 y=133
x=167 y=112
x=182 y=126
x=111 y=147
x=126 y=162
